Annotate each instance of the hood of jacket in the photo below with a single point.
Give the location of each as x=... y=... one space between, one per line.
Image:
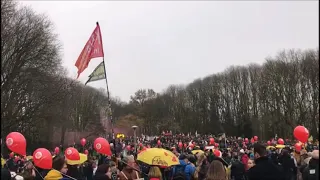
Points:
x=183 y=163
x=53 y=175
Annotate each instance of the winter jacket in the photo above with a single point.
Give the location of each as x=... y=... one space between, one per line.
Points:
x=189 y=169
x=265 y=170
x=311 y=172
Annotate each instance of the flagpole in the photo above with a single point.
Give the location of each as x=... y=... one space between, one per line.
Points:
x=108 y=96
x=108 y=93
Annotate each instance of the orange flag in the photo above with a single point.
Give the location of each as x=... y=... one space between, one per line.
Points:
x=92 y=49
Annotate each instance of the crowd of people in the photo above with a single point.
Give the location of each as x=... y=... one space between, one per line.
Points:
x=227 y=158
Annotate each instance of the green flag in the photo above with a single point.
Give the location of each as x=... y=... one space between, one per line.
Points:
x=97 y=74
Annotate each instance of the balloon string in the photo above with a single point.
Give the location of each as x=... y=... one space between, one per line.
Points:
x=68 y=176
x=133 y=167
x=53 y=169
x=36 y=170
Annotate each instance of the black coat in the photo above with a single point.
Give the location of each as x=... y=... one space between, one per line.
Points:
x=265 y=169
x=5 y=174
x=289 y=168
x=311 y=172
x=238 y=170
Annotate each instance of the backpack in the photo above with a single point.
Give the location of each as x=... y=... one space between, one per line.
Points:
x=179 y=172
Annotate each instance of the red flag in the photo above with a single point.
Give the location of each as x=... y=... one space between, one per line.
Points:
x=92 y=49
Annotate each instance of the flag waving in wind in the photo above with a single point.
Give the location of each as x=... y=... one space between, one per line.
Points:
x=92 y=49
x=98 y=73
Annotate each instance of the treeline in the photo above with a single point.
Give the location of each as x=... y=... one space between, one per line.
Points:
x=37 y=99
x=262 y=100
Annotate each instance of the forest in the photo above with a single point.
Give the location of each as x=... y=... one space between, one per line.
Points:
x=37 y=98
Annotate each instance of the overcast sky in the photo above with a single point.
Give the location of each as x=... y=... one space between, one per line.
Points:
x=152 y=44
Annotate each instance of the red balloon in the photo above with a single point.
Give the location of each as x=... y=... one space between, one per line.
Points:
x=180 y=144
x=301 y=133
x=72 y=153
x=17 y=143
x=86 y=152
x=102 y=146
x=298 y=147
x=159 y=142
x=268 y=142
x=128 y=147
x=56 y=150
x=42 y=158
x=11 y=155
x=281 y=141
x=255 y=138
x=217 y=153
x=211 y=141
x=185 y=145
x=140 y=144
x=83 y=141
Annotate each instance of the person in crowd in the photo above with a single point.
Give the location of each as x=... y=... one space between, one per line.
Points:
x=5 y=174
x=185 y=168
x=201 y=168
x=311 y=172
x=264 y=168
x=155 y=173
x=287 y=163
x=88 y=169
x=216 y=171
x=128 y=172
x=30 y=168
x=244 y=158
x=237 y=169
x=250 y=163
x=73 y=171
x=13 y=168
x=101 y=173
x=192 y=160
x=113 y=170
x=59 y=169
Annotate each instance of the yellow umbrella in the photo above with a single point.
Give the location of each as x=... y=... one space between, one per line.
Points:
x=158 y=157
x=83 y=158
x=280 y=146
x=197 y=151
x=270 y=147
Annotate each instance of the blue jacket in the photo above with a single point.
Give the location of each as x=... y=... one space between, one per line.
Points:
x=189 y=170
